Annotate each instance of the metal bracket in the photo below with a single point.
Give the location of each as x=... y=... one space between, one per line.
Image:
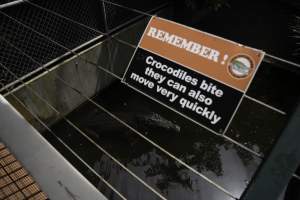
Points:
x=279 y=167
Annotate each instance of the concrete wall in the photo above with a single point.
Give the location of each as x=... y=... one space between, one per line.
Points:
x=53 y=87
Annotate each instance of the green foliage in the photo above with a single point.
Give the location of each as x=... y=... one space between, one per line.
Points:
x=296 y=31
x=216 y=4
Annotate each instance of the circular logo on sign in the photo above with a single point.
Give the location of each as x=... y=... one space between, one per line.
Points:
x=240 y=66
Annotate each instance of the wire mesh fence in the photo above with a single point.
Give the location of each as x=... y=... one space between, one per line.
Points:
x=89 y=13
x=16 y=61
x=45 y=30
x=17 y=25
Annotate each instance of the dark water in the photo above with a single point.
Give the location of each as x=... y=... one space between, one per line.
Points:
x=221 y=161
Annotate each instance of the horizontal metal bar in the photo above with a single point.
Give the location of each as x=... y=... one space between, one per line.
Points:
x=13 y=3
x=297 y=65
x=48 y=64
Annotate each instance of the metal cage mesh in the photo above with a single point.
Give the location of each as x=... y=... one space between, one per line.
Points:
x=34 y=33
x=31 y=37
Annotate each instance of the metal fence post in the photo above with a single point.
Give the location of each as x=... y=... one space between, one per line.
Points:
x=280 y=165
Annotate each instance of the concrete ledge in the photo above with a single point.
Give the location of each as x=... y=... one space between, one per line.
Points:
x=56 y=177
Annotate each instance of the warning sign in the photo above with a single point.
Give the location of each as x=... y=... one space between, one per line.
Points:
x=201 y=76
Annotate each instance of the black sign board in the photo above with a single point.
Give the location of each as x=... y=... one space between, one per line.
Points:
x=196 y=96
x=198 y=75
